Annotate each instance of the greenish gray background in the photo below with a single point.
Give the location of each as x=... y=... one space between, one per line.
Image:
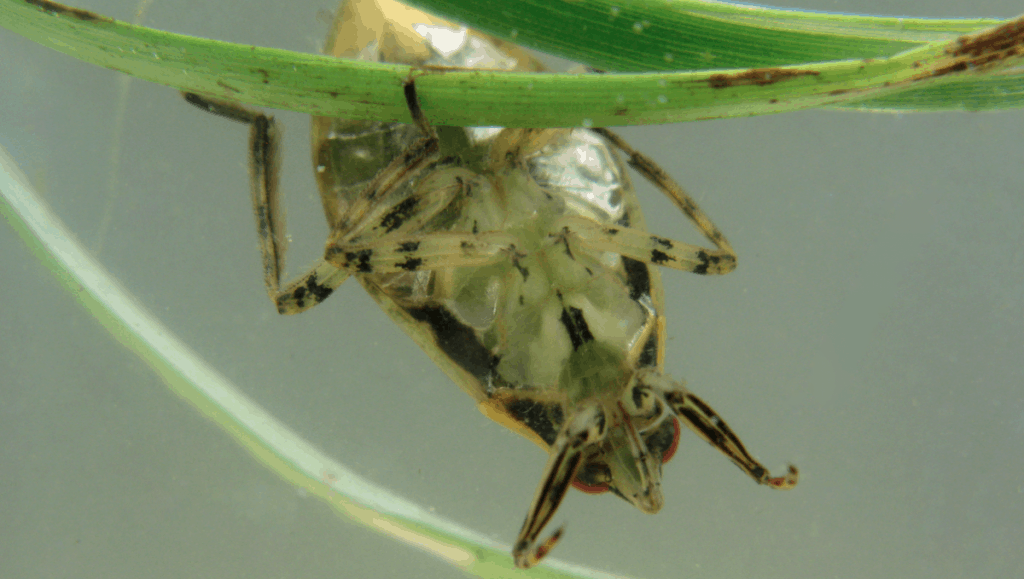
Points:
x=873 y=335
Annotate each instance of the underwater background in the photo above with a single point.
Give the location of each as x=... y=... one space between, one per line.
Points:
x=873 y=335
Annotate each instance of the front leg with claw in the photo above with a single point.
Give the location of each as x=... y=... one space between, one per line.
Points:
x=584 y=429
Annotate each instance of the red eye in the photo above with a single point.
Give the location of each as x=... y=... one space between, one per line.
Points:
x=671 y=450
x=589 y=489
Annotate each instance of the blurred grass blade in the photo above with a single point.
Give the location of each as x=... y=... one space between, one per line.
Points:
x=977 y=71
x=271 y=442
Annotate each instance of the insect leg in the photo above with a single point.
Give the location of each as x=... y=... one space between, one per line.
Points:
x=642 y=246
x=317 y=283
x=663 y=181
x=703 y=420
x=422 y=252
x=585 y=428
x=324 y=277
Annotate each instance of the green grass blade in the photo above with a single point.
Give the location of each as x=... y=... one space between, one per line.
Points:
x=272 y=443
x=666 y=35
x=940 y=75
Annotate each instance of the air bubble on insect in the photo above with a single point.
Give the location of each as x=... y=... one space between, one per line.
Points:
x=587 y=123
x=513 y=34
x=321 y=168
x=615 y=12
x=620 y=99
x=529 y=86
x=662 y=99
x=661 y=82
x=669 y=57
x=637 y=27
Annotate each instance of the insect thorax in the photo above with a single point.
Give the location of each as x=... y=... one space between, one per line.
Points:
x=551 y=323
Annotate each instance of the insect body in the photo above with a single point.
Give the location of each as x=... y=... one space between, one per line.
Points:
x=517 y=258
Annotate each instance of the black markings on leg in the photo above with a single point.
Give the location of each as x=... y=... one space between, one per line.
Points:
x=659 y=258
x=411 y=264
x=702 y=269
x=359 y=261
x=666 y=243
x=714 y=263
x=399 y=214
x=702 y=419
x=314 y=290
x=712 y=435
x=659 y=178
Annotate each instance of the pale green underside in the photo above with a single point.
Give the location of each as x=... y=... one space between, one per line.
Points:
x=908 y=69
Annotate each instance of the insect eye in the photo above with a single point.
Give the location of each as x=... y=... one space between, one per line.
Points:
x=663 y=438
x=674 y=445
x=591 y=478
x=590 y=489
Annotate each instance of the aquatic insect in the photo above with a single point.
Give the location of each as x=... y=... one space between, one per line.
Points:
x=517 y=258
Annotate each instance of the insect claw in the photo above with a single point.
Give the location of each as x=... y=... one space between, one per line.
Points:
x=526 y=557
x=786 y=481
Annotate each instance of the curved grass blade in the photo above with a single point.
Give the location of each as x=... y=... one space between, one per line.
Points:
x=272 y=443
x=984 y=65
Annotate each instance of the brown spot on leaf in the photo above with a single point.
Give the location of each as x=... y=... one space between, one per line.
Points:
x=1004 y=39
x=758 y=77
x=62 y=10
x=982 y=49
